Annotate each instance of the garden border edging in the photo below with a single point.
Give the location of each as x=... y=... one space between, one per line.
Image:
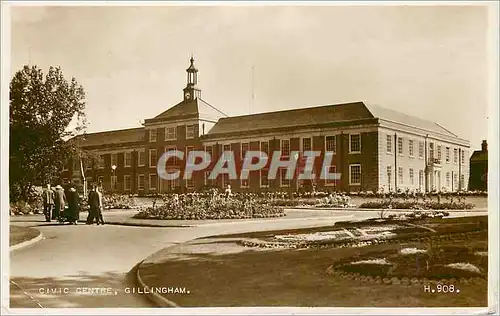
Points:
x=153 y=296
x=27 y=242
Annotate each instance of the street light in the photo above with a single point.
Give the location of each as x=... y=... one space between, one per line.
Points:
x=113 y=183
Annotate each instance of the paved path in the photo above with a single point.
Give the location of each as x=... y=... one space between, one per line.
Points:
x=72 y=259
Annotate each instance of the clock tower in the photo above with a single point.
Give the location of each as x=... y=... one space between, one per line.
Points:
x=191 y=91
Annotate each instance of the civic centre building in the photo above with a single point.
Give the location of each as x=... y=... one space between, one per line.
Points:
x=374 y=148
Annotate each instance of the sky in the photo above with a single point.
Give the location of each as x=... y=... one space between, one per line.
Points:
x=426 y=61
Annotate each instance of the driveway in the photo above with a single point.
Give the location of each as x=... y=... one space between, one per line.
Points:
x=90 y=266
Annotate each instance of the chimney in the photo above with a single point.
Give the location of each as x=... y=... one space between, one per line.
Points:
x=484 y=146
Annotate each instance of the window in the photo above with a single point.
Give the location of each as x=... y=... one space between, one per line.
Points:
x=210 y=150
x=225 y=180
x=448 y=155
x=431 y=150
x=264 y=181
x=330 y=144
x=188 y=150
x=127 y=182
x=227 y=147
x=88 y=163
x=173 y=184
x=142 y=158
x=284 y=181
x=153 y=181
x=152 y=135
x=420 y=178
x=410 y=147
x=172 y=160
x=411 y=176
x=462 y=181
x=307 y=144
x=190 y=183
x=421 y=150
x=208 y=182
x=400 y=175
x=245 y=182
x=89 y=180
x=101 y=161
x=354 y=143
x=400 y=145
x=455 y=181
x=455 y=155
x=170 y=133
x=244 y=148
x=65 y=181
x=285 y=147
x=389 y=175
x=128 y=159
x=448 y=179
x=389 y=144
x=190 y=131
x=439 y=153
x=114 y=159
x=355 y=174
x=330 y=169
x=264 y=147
x=463 y=157
x=114 y=181
x=152 y=158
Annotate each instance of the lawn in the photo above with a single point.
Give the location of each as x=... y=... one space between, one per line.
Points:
x=20 y=234
x=291 y=277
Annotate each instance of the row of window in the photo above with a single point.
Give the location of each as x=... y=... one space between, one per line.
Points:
x=433 y=154
x=354 y=179
x=411 y=174
x=171 y=133
x=306 y=145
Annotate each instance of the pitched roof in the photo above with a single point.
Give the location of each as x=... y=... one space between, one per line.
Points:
x=292 y=118
x=391 y=115
x=318 y=115
x=193 y=108
x=117 y=137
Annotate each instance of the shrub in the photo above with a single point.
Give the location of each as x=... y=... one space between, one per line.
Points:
x=411 y=204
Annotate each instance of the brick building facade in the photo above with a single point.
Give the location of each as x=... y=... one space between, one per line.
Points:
x=372 y=148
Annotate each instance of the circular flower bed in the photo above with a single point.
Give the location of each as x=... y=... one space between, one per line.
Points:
x=205 y=207
x=117 y=201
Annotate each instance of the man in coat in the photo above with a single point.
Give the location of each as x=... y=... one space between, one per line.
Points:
x=48 y=202
x=59 y=202
x=95 y=205
x=73 y=206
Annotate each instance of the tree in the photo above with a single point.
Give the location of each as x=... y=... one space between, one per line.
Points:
x=41 y=111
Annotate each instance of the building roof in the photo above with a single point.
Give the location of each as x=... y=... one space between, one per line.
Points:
x=117 y=137
x=196 y=108
x=398 y=117
x=313 y=116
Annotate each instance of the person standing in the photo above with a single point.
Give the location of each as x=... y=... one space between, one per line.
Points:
x=99 y=218
x=94 y=205
x=48 y=202
x=73 y=206
x=59 y=202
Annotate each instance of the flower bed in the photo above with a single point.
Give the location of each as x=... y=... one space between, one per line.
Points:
x=195 y=207
x=116 y=201
x=430 y=205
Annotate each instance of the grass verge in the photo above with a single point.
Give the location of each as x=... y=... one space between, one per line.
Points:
x=21 y=234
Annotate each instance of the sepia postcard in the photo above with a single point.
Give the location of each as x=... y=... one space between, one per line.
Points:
x=249 y=157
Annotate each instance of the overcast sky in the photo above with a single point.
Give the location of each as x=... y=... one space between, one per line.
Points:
x=428 y=61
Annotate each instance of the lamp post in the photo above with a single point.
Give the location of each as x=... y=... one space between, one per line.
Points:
x=113 y=183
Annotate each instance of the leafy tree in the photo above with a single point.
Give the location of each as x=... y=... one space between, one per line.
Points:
x=43 y=109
